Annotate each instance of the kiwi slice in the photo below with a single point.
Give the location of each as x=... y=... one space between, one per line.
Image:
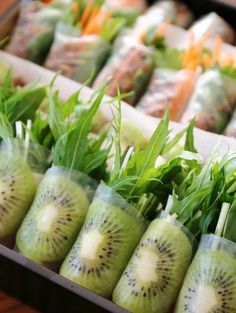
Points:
x=17 y=189
x=210 y=283
x=128 y=139
x=104 y=245
x=55 y=217
x=153 y=277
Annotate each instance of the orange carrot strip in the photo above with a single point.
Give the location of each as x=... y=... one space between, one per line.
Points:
x=74 y=7
x=87 y=11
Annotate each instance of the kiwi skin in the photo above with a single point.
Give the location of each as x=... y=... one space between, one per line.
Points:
x=210 y=283
x=62 y=203
x=153 y=276
x=17 y=189
x=119 y=234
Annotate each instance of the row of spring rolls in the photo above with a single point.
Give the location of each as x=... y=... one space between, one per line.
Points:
x=76 y=52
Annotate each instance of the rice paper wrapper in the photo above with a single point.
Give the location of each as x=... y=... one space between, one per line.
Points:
x=154 y=17
x=88 y=184
x=212 y=102
x=137 y=5
x=215 y=25
x=130 y=66
x=231 y=127
x=33 y=34
x=77 y=56
x=210 y=280
x=37 y=157
x=168 y=88
x=70 y=193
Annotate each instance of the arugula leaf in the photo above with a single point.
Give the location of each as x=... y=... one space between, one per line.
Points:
x=188 y=198
x=229 y=227
x=40 y=132
x=6 y=130
x=189 y=142
x=59 y=113
x=140 y=168
x=74 y=149
x=23 y=104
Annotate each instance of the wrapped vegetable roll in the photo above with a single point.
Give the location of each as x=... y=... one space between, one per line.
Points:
x=214 y=24
x=231 y=127
x=154 y=17
x=211 y=278
x=167 y=87
x=212 y=101
x=131 y=67
x=76 y=56
x=33 y=34
x=82 y=41
x=171 y=11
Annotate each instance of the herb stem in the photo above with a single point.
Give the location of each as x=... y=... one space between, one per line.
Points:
x=169 y=204
x=222 y=219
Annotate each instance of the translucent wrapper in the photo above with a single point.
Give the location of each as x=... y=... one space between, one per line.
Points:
x=231 y=127
x=167 y=87
x=130 y=66
x=137 y=5
x=37 y=157
x=154 y=274
x=173 y=11
x=56 y=216
x=212 y=102
x=154 y=17
x=215 y=25
x=210 y=282
x=33 y=34
x=106 y=242
x=76 y=56
x=18 y=188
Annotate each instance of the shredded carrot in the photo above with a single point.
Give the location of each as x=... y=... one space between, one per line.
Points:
x=163 y=28
x=87 y=12
x=193 y=56
x=74 y=7
x=95 y=23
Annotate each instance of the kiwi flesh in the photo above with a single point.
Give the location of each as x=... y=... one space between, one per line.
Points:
x=17 y=190
x=54 y=219
x=210 y=284
x=103 y=247
x=153 y=276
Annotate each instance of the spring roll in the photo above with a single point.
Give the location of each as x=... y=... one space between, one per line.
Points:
x=130 y=67
x=33 y=34
x=215 y=25
x=168 y=87
x=231 y=127
x=212 y=102
x=76 y=56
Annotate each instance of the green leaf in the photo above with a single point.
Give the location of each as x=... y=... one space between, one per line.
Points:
x=189 y=142
x=142 y=164
x=59 y=113
x=229 y=228
x=73 y=149
x=6 y=130
x=23 y=104
x=173 y=142
x=169 y=58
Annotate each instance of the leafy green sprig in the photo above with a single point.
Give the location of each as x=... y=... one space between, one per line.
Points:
x=75 y=148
